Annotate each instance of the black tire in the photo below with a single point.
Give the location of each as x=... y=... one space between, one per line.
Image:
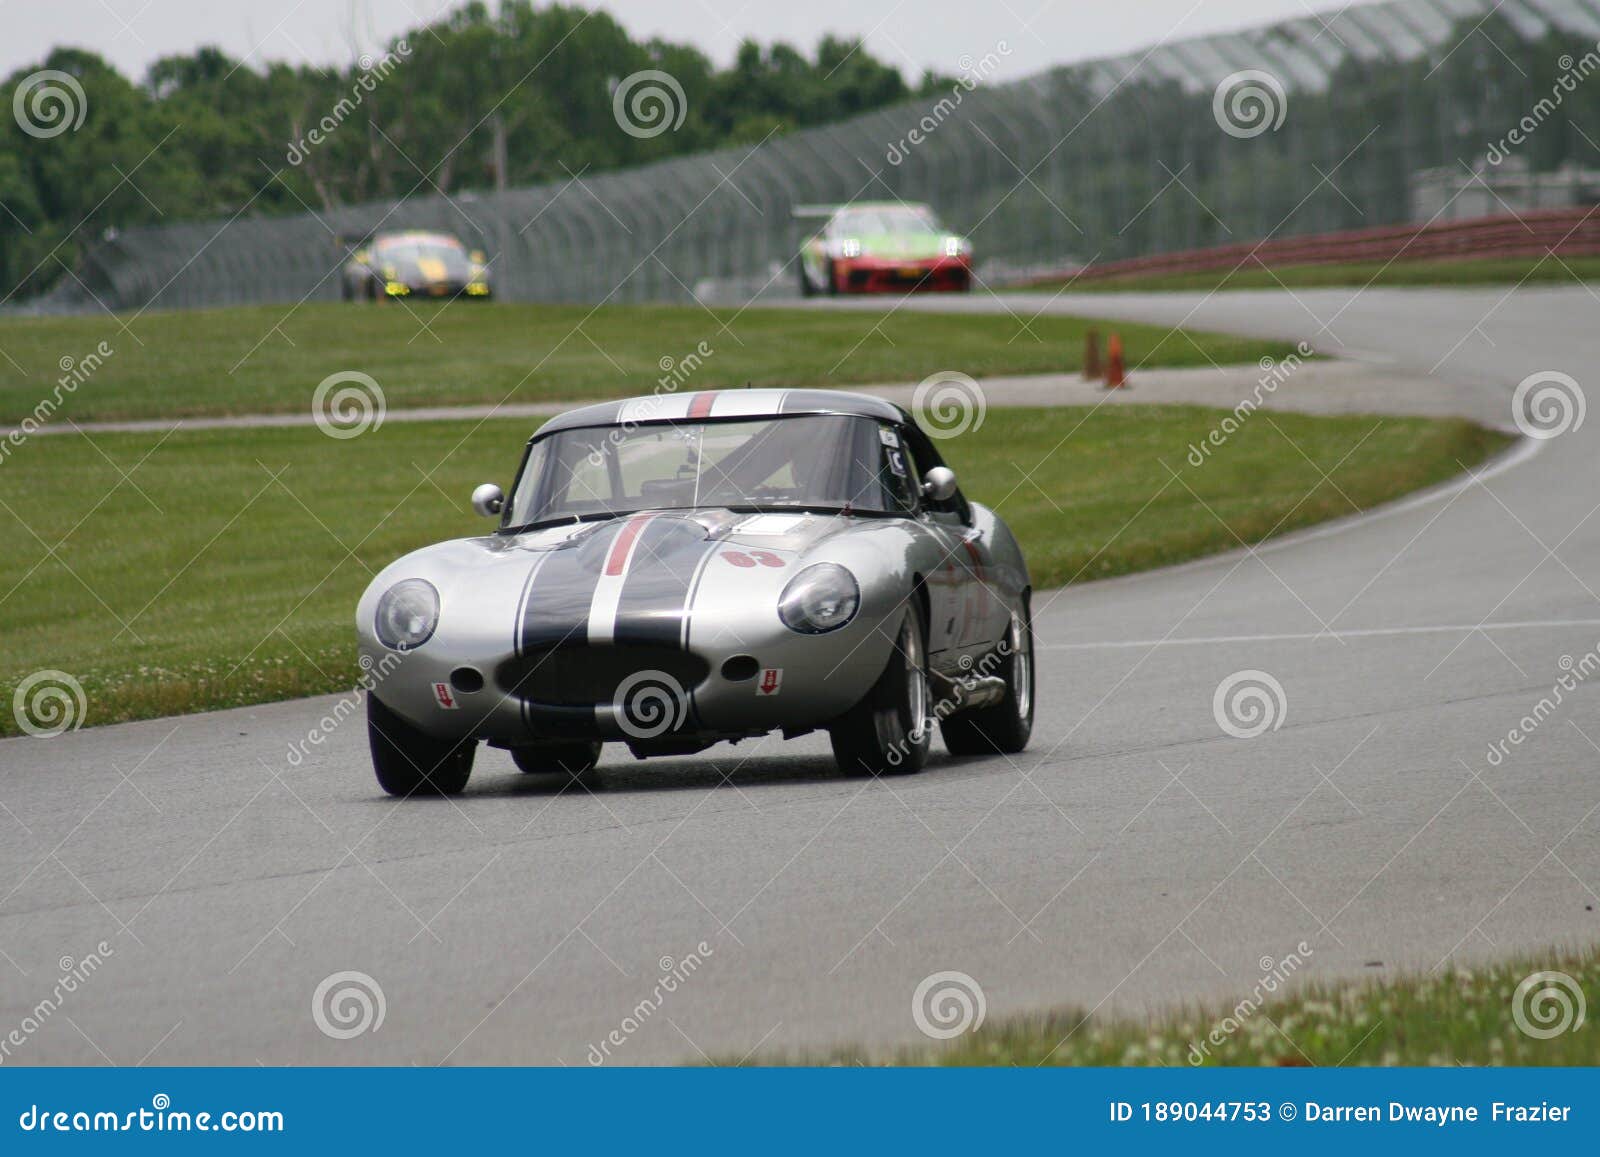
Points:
x=1005 y=727
x=833 y=281
x=572 y=759
x=410 y=762
x=806 y=288
x=883 y=734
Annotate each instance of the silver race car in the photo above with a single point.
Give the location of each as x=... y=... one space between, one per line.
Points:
x=675 y=570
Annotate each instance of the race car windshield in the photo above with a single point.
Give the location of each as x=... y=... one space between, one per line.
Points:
x=891 y=222
x=449 y=253
x=812 y=461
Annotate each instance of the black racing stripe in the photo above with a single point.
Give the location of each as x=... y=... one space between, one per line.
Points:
x=655 y=595
x=558 y=600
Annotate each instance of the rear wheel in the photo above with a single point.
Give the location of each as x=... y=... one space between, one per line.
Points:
x=833 y=280
x=572 y=759
x=887 y=732
x=806 y=288
x=1005 y=727
x=411 y=762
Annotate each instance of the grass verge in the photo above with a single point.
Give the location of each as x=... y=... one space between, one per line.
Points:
x=210 y=569
x=1469 y=271
x=1454 y=1016
x=269 y=360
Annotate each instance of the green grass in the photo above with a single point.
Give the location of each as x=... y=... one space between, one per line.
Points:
x=1453 y=1016
x=270 y=360
x=1465 y=271
x=224 y=569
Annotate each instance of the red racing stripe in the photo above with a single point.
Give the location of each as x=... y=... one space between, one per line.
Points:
x=700 y=407
x=624 y=543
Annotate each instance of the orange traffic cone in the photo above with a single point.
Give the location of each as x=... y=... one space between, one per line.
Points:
x=1116 y=376
x=1091 y=356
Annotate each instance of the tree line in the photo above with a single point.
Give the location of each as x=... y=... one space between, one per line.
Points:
x=478 y=99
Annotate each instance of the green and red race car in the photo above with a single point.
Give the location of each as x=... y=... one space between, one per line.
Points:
x=881 y=246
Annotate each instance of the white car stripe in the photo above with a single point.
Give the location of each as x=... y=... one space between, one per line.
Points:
x=608 y=587
x=655 y=408
x=741 y=403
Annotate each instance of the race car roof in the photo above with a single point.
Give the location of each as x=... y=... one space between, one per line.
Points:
x=714 y=404
x=830 y=210
x=416 y=236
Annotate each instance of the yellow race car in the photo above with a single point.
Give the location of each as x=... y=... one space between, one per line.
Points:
x=415 y=264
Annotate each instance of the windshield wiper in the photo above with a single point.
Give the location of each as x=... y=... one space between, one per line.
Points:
x=567 y=520
x=807 y=507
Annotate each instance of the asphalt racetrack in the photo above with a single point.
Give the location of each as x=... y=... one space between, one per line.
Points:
x=1136 y=856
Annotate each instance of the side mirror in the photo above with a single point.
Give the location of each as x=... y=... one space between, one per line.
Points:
x=488 y=500
x=939 y=484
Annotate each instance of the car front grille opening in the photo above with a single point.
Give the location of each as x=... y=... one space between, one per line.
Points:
x=578 y=675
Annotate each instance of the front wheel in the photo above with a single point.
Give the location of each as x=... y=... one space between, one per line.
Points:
x=1005 y=727
x=887 y=732
x=411 y=762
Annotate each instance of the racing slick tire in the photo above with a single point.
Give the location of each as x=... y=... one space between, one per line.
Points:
x=833 y=281
x=1005 y=726
x=887 y=733
x=571 y=759
x=410 y=762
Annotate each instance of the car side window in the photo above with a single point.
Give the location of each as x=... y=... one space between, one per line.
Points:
x=897 y=470
x=922 y=457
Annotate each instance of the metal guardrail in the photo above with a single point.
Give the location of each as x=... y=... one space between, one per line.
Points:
x=1557 y=232
x=1306 y=127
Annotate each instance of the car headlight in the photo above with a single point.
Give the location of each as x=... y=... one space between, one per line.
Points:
x=954 y=247
x=407 y=614
x=819 y=599
x=850 y=248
